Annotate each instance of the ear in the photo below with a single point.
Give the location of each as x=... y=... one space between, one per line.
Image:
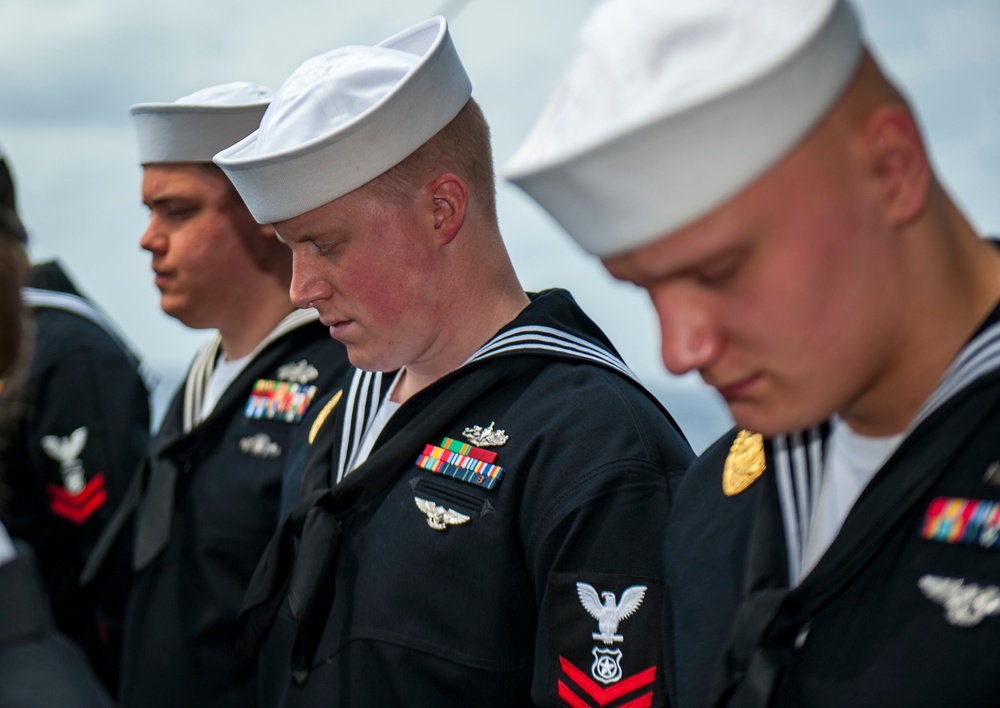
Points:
x=267 y=231
x=449 y=204
x=899 y=162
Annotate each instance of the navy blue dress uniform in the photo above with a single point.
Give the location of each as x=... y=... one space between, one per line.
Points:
x=903 y=608
x=79 y=437
x=205 y=509
x=495 y=547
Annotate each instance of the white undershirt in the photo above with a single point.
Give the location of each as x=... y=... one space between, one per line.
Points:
x=851 y=462
x=225 y=373
x=376 y=426
x=7 y=550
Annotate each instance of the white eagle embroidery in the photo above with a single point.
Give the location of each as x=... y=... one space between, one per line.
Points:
x=965 y=604
x=438 y=517
x=66 y=451
x=608 y=614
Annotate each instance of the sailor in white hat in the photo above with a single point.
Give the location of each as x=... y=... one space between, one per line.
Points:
x=750 y=166
x=206 y=499
x=471 y=502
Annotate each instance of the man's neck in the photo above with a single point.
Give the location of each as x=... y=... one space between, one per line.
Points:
x=240 y=338
x=457 y=344
x=960 y=290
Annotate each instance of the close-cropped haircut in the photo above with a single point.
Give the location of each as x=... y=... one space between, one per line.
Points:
x=461 y=147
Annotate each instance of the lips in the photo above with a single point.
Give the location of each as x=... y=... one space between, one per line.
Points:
x=336 y=326
x=738 y=388
x=161 y=277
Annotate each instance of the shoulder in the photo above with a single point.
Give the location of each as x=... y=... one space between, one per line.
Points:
x=60 y=331
x=599 y=407
x=701 y=502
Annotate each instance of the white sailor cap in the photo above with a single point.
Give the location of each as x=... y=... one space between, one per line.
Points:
x=195 y=127
x=668 y=109
x=345 y=117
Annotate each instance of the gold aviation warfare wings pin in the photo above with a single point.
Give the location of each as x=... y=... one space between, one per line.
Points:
x=744 y=464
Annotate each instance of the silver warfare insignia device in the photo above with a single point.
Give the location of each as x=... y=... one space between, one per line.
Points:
x=965 y=604
x=260 y=445
x=298 y=372
x=438 y=517
x=485 y=437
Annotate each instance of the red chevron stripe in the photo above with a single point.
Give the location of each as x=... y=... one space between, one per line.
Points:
x=603 y=696
x=80 y=507
x=571 y=699
x=58 y=493
x=643 y=701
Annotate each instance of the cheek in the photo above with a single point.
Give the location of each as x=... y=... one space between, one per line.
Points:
x=815 y=310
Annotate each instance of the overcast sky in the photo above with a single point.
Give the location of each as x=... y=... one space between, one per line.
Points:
x=71 y=68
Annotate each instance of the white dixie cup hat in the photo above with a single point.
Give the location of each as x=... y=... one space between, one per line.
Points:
x=668 y=109
x=344 y=118
x=195 y=127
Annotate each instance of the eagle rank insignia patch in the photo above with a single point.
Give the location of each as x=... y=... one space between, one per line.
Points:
x=75 y=499
x=619 y=664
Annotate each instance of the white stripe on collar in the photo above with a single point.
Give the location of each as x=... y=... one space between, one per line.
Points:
x=367 y=390
x=796 y=470
x=364 y=397
x=204 y=363
x=38 y=297
x=549 y=339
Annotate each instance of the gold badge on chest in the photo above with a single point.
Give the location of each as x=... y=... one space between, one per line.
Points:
x=744 y=464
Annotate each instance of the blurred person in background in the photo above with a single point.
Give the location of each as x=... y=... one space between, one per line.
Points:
x=81 y=428
x=207 y=500
x=39 y=667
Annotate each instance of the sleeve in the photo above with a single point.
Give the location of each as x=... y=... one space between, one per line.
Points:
x=86 y=431
x=596 y=555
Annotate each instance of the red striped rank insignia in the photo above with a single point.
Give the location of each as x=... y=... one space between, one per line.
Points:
x=967 y=522
x=78 y=506
x=461 y=461
x=278 y=400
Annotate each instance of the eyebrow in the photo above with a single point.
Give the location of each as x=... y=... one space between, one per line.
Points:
x=164 y=199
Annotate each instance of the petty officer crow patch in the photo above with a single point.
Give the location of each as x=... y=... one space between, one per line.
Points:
x=77 y=498
x=606 y=635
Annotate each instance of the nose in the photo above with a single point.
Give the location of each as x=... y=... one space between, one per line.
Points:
x=154 y=239
x=307 y=288
x=690 y=337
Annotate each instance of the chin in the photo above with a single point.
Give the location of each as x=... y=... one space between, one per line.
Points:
x=771 y=421
x=184 y=315
x=363 y=361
